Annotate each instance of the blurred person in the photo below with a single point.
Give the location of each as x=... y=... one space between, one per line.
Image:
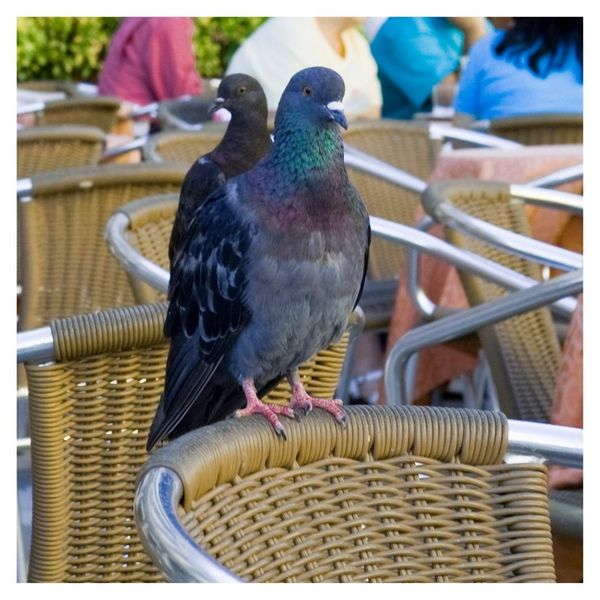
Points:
x=534 y=66
x=151 y=59
x=284 y=45
x=416 y=54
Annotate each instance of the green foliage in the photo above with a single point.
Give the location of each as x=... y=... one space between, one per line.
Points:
x=217 y=38
x=73 y=48
x=63 y=48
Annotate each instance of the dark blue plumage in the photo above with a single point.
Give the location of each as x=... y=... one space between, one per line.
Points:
x=272 y=267
x=245 y=142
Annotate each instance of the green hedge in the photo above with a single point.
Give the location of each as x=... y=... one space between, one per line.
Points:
x=73 y=48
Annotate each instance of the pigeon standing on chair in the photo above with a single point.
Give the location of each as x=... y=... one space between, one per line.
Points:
x=245 y=142
x=270 y=272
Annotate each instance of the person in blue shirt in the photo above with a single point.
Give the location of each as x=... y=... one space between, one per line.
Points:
x=534 y=67
x=414 y=54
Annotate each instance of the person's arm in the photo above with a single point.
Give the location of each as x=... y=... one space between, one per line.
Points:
x=473 y=28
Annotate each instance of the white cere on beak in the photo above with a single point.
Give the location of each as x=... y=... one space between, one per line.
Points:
x=336 y=105
x=219 y=99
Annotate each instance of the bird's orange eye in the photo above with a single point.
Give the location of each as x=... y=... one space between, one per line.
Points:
x=242 y=90
x=306 y=91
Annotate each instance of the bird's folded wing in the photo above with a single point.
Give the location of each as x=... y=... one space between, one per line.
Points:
x=206 y=312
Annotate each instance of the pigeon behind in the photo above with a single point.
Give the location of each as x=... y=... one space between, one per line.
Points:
x=270 y=272
x=245 y=142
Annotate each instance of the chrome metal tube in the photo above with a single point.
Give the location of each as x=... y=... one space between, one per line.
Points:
x=411 y=237
x=373 y=166
x=475 y=138
x=559 y=177
x=30 y=107
x=548 y=198
x=513 y=243
x=135 y=144
x=554 y=444
x=133 y=262
x=420 y=299
x=165 y=539
x=469 y=320
x=36 y=345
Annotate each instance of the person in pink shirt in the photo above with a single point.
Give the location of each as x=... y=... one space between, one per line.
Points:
x=151 y=59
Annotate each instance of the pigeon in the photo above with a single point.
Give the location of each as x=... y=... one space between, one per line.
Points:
x=273 y=265
x=245 y=142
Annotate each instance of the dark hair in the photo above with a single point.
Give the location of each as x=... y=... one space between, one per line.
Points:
x=544 y=36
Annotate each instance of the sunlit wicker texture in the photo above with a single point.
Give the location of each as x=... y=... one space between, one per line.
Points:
x=90 y=412
x=400 y=494
x=403 y=144
x=98 y=111
x=42 y=149
x=537 y=130
x=66 y=266
x=523 y=352
x=182 y=146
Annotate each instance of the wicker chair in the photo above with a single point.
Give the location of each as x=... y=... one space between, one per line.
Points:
x=182 y=146
x=145 y=229
x=411 y=494
x=523 y=352
x=65 y=265
x=536 y=130
x=42 y=149
x=98 y=111
x=94 y=384
x=407 y=146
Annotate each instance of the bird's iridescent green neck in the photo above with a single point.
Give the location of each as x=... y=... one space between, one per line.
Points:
x=306 y=153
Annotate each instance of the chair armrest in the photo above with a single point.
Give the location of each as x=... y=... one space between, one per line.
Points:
x=474 y=138
x=166 y=541
x=443 y=211
x=559 y=177
x=551 y=198
x=471 y=320
x=463 y=259
x=132 y=261
x=136 y=144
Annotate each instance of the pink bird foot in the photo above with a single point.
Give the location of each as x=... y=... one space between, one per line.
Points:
x=302 y=400
x=254 y=406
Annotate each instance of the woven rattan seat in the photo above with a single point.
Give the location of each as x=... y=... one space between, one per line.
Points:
x=182 y=146
x=42 y=149
x=523 y=352
x=537 y=130
x=405 y=145
x=410 y=494
x=97 y=111
x=90 y=413
x=66 y=267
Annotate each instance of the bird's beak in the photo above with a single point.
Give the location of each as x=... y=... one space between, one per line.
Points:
x=336 y=110
x=216 y=104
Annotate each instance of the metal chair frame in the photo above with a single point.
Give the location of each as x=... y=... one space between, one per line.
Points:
x=469 y=320
x=175 y=552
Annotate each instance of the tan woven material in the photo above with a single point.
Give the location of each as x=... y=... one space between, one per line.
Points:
x=150 y=224
x=42 y=149
x=538 y=130
x=523 y=352
x=90 y=413
x=98 y=111
x=401 y=494
x=66 y=266
x=405 y=145
x=183 y=146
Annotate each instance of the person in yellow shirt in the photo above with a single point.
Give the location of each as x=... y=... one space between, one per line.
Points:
x=284 y=45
